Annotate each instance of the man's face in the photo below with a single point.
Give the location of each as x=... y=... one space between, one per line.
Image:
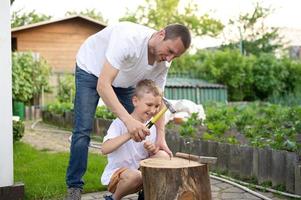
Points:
x=167 y=50
x=147 y=106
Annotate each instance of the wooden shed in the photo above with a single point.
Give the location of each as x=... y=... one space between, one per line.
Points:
x=56 y=40
x=196 y=90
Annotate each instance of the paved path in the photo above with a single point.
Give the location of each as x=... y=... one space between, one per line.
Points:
x=44 y=136
x=219 y=189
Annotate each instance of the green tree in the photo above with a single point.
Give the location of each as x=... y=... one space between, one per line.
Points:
x=32 y=17
x=254 y=36
x=159 y=13
x=89 y=13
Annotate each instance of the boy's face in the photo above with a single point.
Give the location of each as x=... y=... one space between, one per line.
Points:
x=146 y=106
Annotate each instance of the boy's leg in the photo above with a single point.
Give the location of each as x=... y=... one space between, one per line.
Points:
x=86 y=100
x=129 y=183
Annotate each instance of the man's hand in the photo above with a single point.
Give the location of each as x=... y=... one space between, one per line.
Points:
x=161 y=143
x=137 y=129
x=150 y=147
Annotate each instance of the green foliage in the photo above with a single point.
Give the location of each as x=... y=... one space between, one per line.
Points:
x=92 y=13
x=255 y=36
x=29 y=76
x=104 y=113
x=247 y=77
x=31 y=17
x=189 y=128
x=18 y=130
x=263 y=124
x=66 y=90
x=158 y=13
x=269 y=76
x=59 y=107
x=43 y=173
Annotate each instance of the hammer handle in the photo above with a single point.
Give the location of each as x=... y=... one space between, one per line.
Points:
x=200 y=159
x=156 y=117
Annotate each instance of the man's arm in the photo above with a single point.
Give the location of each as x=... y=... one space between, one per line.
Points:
x=104 y=87
x=160 y=141
x=112 y=144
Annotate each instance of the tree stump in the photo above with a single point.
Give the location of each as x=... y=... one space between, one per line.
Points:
x=175 y=179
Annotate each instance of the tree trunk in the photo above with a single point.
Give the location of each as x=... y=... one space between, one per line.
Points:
x=175 y=179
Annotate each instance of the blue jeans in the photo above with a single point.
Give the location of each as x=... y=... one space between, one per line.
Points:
x=86 y=100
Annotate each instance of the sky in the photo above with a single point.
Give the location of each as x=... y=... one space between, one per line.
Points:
x=287 y=12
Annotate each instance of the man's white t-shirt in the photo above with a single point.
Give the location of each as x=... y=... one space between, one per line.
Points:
x=125 y=46
x=127 y=155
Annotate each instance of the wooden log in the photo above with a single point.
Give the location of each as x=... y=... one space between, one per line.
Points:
x=175 y=179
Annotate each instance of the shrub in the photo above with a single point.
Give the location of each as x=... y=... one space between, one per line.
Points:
x=104 y=113
x=18 y=130
x=29 y=76
x=66 y=90
x=188 y=128
x=59 y=107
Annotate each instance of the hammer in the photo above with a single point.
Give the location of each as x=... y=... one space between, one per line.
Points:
x=167 y=106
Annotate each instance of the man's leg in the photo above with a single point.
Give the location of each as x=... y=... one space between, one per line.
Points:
x=124 y=96
x=86 y=100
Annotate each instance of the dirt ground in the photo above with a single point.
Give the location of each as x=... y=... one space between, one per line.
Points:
x=46 y=137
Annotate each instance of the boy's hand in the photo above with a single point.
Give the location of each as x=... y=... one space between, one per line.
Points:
x=150 y=147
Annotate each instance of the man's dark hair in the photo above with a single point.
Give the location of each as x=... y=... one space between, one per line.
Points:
x=173 y=31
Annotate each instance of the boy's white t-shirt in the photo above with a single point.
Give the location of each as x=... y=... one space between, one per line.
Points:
x=125 y=46
x=127 y=155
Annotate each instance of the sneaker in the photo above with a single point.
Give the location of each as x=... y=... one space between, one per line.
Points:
x=74 y=194
x=108 y=197
x=141 y=195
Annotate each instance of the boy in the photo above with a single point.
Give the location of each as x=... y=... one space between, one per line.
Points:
x=121 y=173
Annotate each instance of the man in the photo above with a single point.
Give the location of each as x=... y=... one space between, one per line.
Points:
x=109 y=64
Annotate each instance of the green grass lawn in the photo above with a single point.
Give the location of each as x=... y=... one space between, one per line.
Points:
x=43 y=173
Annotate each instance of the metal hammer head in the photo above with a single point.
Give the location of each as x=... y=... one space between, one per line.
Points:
x=168 y=105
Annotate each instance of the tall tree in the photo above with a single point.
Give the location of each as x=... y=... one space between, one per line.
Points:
x=27 y=18
x=89 y=13
x=255 y=36
x=159 y=13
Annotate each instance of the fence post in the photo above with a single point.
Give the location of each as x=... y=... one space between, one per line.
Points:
x=291 y=162
x=264 y=165
x=223 y=156
x=278 y=168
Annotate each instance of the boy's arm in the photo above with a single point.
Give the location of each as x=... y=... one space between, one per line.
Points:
x=112 y=144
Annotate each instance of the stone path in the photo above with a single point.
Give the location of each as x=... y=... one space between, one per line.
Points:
x=219 y=189
x=43 y=136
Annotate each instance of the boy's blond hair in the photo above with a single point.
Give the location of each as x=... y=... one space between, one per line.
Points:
x=147 y=86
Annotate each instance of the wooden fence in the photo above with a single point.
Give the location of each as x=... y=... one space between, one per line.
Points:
x=281 y=168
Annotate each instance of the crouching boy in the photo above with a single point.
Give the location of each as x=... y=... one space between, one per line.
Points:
x=124 y=154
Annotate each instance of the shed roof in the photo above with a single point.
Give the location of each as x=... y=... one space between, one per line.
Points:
x=190 y=82
x=56 y=20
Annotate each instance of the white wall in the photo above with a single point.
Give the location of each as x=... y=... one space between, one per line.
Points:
x=6 y=142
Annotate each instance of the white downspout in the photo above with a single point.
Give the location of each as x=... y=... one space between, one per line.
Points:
x=6 y=137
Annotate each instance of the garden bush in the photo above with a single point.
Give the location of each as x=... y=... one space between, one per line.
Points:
x=247 y=78
x=66 y=91
x=261 y=124
x=59 y=107
x=104 y=113
x=29 y=76
x=18 y=130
